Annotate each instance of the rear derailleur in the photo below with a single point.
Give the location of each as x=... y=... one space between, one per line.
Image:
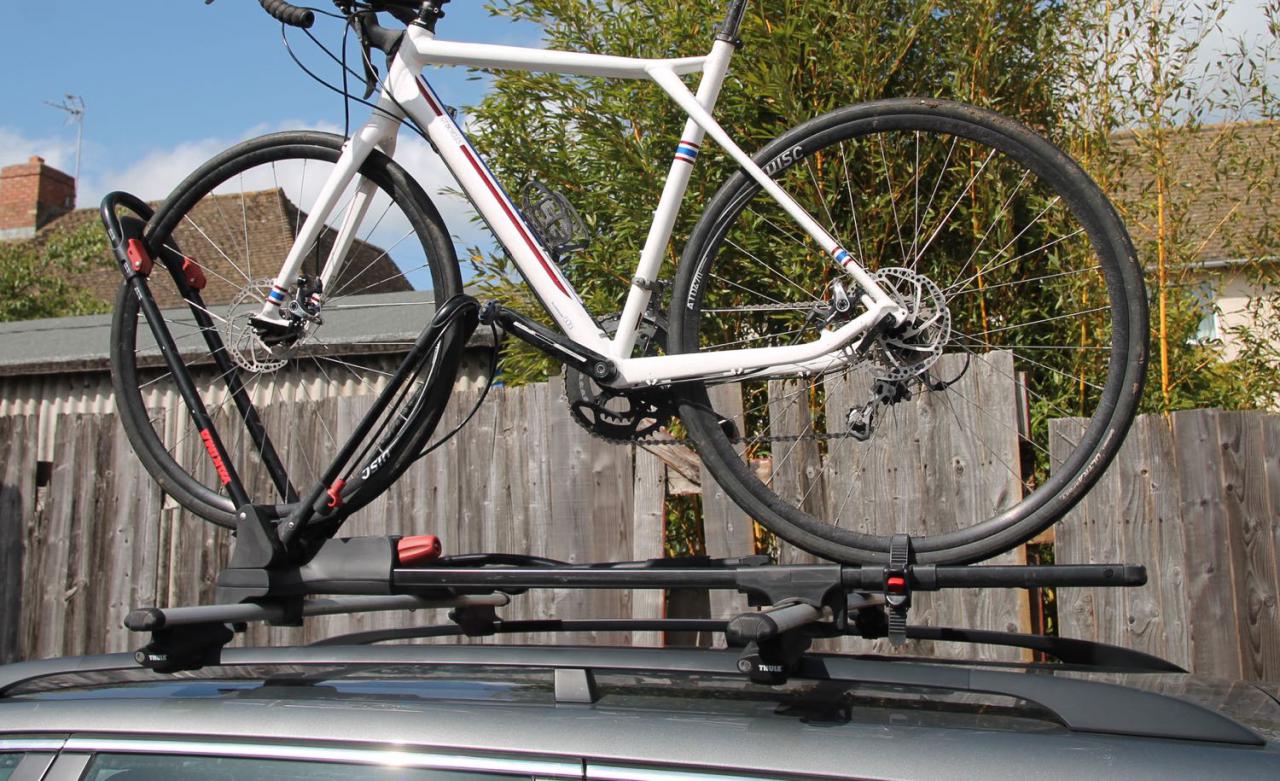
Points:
x=884 y=393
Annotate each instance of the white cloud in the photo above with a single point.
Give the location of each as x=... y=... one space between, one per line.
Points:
x=154 y=176
x=17 y=148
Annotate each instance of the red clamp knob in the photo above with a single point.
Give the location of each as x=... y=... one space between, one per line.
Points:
x=335 y=494
x=417 y=549
x=194 y=275
x=896 y=584
x=139 y=258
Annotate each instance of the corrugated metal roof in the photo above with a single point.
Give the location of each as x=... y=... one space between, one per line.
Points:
x=386 y=322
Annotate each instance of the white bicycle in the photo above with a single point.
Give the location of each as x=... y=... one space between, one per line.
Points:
x=869 y=274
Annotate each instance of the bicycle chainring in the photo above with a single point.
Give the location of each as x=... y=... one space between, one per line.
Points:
x=620 y=415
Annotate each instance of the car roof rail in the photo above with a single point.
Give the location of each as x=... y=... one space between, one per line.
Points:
x=1083 y=655
x=1080 y=705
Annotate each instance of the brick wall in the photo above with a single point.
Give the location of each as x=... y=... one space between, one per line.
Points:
x=32 y=194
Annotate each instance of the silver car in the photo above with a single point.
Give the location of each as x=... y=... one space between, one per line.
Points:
x=488 y=712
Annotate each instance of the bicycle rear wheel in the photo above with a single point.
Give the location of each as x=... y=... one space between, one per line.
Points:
x=1027 y=306
x=234 y=218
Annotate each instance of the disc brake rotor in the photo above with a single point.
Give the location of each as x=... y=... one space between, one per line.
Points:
x=242 y=341
x=910 y=349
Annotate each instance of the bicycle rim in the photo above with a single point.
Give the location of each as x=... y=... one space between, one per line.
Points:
x=984 y=419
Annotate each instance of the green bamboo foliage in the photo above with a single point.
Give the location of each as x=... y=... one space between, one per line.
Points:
x=607 y=145
x=1181 y=132
x=1124 y=85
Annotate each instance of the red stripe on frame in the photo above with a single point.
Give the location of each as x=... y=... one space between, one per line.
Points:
x=512 y=217
x=430 y=101
x=496 y=194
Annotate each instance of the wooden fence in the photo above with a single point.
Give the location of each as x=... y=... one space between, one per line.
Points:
x=1196 y=498
x=86 y=537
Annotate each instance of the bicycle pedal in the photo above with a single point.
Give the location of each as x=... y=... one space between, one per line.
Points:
x=558 y=225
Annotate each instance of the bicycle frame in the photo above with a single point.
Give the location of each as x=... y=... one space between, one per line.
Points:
x=406 y=93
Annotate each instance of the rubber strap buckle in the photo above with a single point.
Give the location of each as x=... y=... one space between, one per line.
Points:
x=897 y=587
x=194 y=275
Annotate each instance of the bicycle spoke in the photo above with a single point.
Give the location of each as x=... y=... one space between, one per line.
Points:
x=774 y=271
x=893 y=201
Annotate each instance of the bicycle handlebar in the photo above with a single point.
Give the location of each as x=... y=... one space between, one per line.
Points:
x=288 y=13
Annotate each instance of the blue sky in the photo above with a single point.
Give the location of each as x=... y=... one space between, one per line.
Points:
x=169 y=83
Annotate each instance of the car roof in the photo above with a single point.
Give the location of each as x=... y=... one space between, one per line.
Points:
x=672 y=707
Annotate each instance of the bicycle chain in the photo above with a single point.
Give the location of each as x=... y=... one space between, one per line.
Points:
x=655 y=440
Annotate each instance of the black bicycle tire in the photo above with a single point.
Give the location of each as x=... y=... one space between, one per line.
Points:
x=389 y=176
x=1102 y=439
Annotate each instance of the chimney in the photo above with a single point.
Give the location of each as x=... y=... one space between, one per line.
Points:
x=31 y=195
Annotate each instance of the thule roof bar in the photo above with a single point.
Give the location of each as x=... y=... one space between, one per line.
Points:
x=796 y=603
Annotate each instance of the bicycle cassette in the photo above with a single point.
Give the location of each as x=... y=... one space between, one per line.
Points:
x=620 y=415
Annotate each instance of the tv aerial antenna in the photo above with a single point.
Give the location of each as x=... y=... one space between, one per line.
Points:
x=73 y=105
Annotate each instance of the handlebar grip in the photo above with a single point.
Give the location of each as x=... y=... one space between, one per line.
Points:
x=288 y=13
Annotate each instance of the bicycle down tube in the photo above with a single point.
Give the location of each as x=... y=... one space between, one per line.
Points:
x=406 y=92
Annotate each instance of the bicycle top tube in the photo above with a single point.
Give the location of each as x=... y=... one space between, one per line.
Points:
x=407 y=93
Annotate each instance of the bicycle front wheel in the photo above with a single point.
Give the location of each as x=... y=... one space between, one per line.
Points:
x=283 y=410
x=1026 y=305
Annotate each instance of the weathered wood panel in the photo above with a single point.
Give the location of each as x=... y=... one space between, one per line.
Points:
x=647 y=536
x=729 y=531
x=1193 y=498
x=936 y=463
x=17 y=506
x=1196 y=502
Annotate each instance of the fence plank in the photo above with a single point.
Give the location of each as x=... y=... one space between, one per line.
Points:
x=796 y=467
x=649 y=518
x=17 y=508
x=1073 y=540
x=1271 y=525
x=1158 y=611
x=981 y=410
x=729 y=531
x=1247 y=495
x=1208 y=541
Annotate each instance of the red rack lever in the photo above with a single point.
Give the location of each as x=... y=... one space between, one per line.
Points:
x=417 y=549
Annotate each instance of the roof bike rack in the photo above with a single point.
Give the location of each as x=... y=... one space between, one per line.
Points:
x=797 y=603
x=312 y=517
x=279 y=564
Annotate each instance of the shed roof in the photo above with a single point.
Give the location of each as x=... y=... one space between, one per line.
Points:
x=385 y=322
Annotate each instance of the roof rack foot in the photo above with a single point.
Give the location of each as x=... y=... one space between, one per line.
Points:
x=185 y=647
x=774 y=640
